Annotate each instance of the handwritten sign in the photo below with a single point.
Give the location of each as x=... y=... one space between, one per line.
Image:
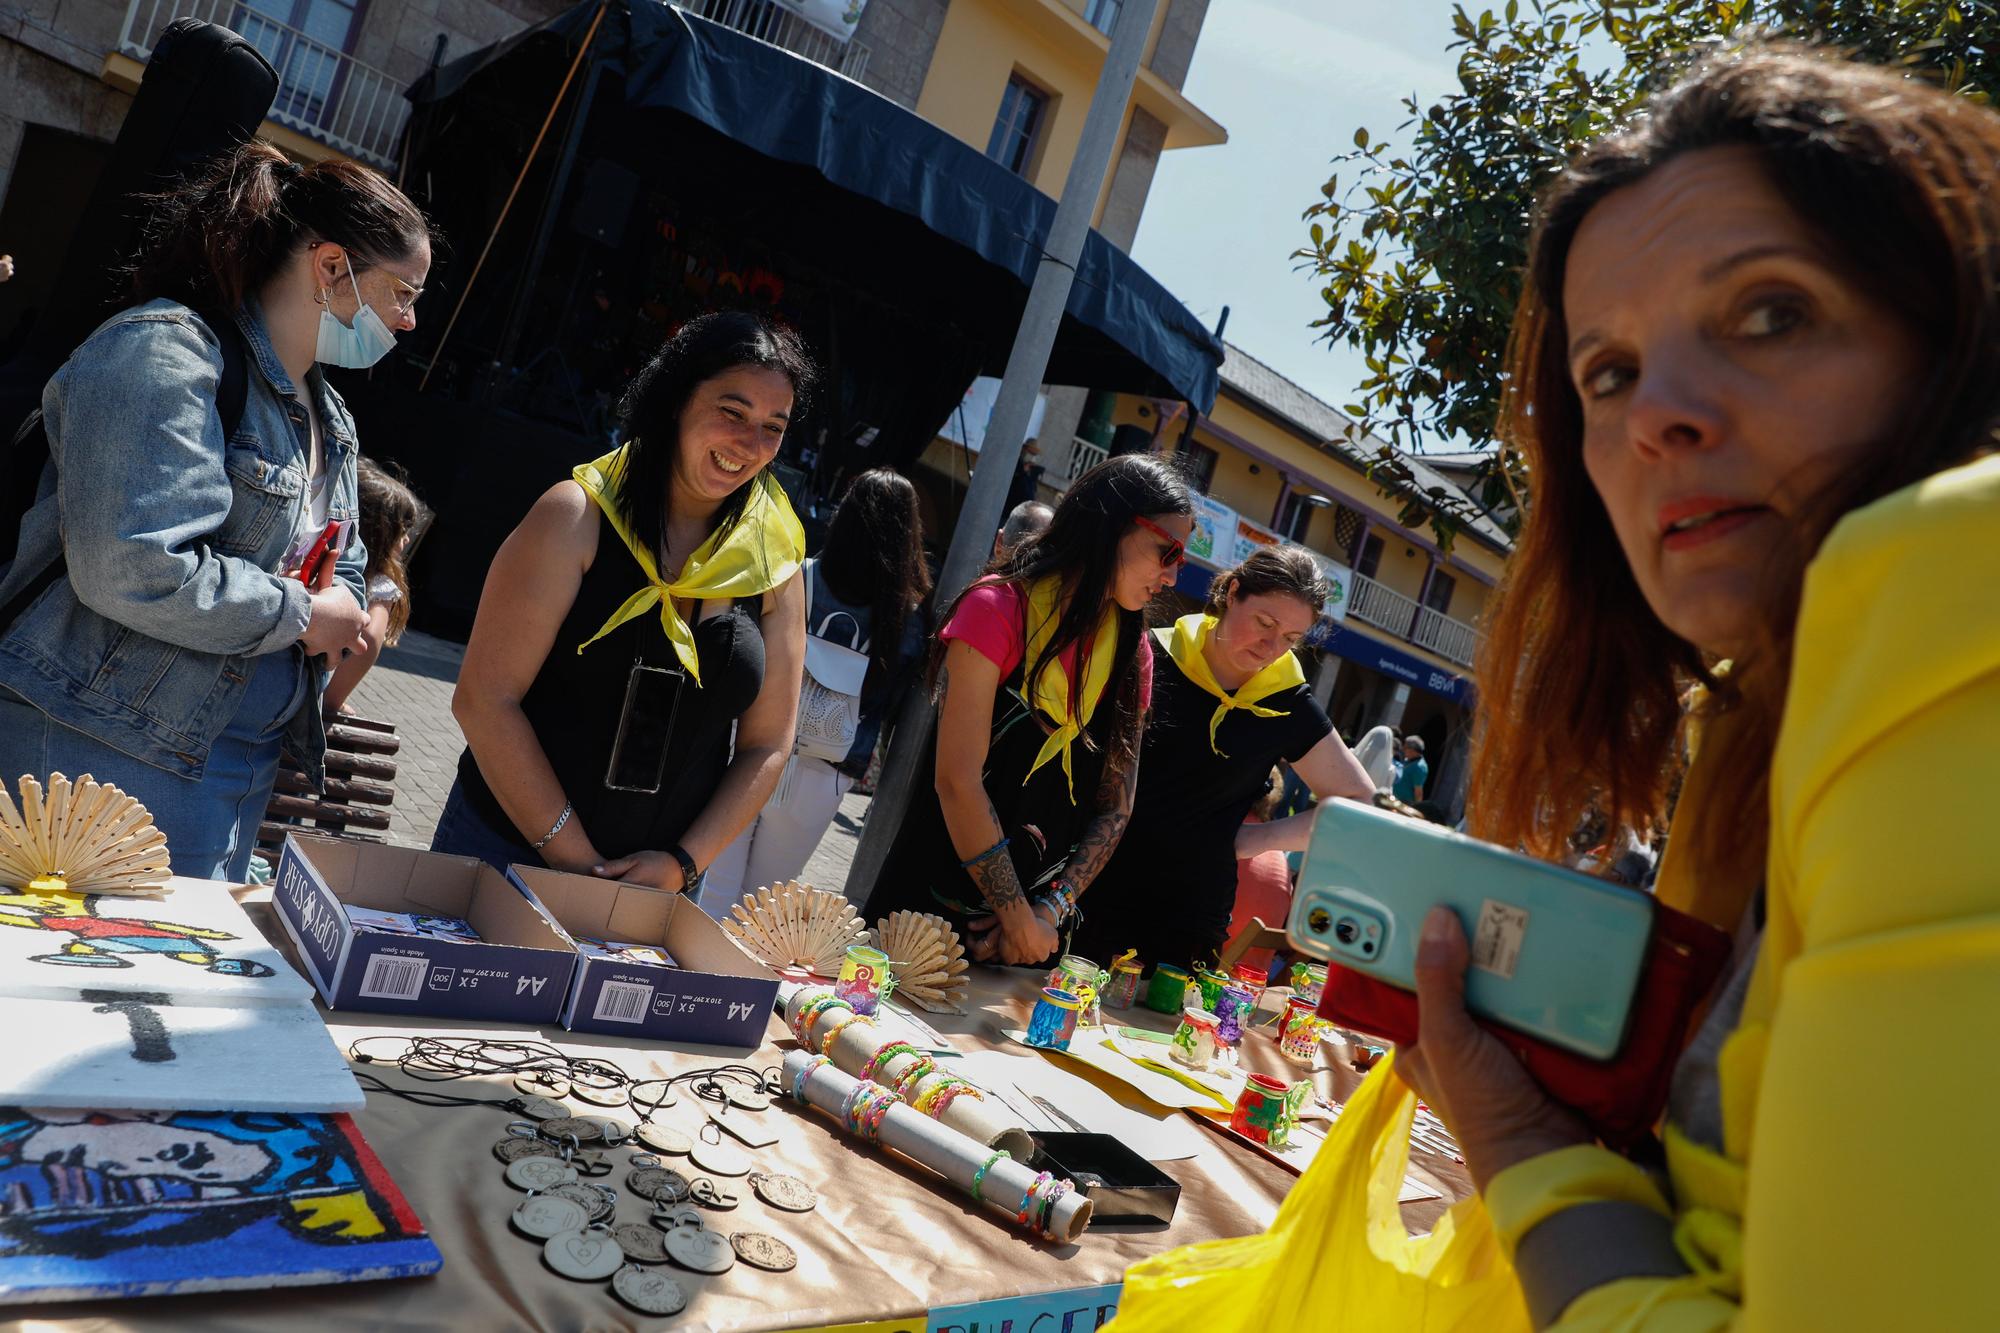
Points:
x=1079 y=1310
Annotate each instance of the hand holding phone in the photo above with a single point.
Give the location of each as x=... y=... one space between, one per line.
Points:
x=1555 y=954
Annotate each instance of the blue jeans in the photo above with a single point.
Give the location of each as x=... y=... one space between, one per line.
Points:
x=210 y=825
x=462 y=832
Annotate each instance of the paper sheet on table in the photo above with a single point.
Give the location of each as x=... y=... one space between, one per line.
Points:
x=1157 y=1136
x=1141 y=1059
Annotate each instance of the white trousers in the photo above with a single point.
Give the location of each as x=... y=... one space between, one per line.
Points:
x=776 y=846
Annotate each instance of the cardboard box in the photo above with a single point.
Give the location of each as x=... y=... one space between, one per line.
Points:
x=518 y=972
x=718 y=995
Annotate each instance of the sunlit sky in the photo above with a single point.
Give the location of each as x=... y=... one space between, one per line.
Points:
x=1290 y=80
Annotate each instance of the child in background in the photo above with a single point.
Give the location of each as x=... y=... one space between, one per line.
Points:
x=392 y=518
x=1263 y=881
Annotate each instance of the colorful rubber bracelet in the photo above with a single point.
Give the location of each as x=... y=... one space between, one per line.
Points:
x=951 y=1093
x=888 y=1050
x=1048 y=1209
x=989 y=853
x=979 y=1176
x=805 y=1076
x=920 y=1069
x=826 y=1042
x=1028 y=1199
x=809 y=1012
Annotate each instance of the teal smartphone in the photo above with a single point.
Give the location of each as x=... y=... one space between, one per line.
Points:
x=1555 y=954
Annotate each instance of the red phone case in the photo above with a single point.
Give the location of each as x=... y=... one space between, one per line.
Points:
x=1621 y=1098
x=309 y=568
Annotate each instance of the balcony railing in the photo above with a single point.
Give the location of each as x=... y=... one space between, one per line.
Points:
x=773 y=23
x=1083 y=455
x=323 y=93
x=1385 y=608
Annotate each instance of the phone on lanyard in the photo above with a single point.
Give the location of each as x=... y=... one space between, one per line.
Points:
x=1556 y=955
x=645 y=727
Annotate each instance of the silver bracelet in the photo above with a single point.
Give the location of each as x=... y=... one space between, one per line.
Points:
x=556 y=827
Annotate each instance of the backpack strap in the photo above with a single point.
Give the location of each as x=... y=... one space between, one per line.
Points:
x=232 y=393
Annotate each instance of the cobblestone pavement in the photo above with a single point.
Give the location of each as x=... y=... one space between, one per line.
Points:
x=411 y=686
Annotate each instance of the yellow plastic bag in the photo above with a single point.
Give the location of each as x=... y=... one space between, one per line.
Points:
x=1337 y=1255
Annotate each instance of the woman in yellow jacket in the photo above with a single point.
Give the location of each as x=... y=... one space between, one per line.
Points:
x=1758 y=358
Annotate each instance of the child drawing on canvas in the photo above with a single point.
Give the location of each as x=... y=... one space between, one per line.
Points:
x=98 y=941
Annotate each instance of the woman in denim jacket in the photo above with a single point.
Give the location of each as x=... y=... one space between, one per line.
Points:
x=177 y=647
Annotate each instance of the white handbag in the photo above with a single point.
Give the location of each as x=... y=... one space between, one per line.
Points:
x=830 y=691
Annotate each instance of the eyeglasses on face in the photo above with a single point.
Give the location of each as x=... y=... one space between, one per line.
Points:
x=1175 y=551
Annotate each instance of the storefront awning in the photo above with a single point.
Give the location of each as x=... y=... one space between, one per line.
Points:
x=1122 y=330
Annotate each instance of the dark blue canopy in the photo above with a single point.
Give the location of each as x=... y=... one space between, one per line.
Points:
x=1122 y=330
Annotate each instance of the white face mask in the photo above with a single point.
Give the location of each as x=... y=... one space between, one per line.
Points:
x=355 y=347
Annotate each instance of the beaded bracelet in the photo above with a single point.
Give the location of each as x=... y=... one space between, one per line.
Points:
x=979 y=1176
x=1028 y=1199
x=805 y=1075
x=826 y=1042
x=888 y=1050
x=920 y=1069
x=809 y=1012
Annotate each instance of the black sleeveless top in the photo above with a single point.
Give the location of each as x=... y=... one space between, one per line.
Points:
x=922 y=873
x=1170 y=888
x=577 y=699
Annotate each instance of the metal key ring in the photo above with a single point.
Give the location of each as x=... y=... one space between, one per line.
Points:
x=524 y=1129
x=711 y=1128
x=646 y=1161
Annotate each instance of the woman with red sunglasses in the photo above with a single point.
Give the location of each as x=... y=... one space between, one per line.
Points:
x=1044 y=675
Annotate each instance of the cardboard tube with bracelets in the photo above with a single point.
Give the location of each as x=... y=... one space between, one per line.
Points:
x=944 y=1150
x=981 y=1118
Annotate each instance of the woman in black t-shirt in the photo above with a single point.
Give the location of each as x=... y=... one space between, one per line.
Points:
x=1229 y=701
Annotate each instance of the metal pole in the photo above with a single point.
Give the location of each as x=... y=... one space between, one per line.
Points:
x=1006 y=432
x=531 y=273
x=437 y=353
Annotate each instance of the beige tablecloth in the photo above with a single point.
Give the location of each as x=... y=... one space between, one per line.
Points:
x=887 y=1240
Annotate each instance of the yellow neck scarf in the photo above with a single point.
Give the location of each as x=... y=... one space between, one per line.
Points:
x=1050 y=693
x=762 y=551
x=1185 y=644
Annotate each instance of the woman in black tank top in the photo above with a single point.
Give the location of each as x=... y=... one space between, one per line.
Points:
x=640 y=614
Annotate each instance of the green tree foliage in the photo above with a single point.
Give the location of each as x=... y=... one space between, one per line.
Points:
x=1418 y=240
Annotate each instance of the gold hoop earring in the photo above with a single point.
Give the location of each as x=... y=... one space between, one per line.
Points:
x=320 y=298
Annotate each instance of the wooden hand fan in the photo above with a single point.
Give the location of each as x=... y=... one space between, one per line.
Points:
x=794 y=925
x=86 y=836
x=927 y=958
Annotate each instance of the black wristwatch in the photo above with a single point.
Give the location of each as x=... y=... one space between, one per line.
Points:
x=690 y=876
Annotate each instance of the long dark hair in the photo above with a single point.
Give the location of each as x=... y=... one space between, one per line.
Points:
x=874 y=555
x=649 y=416
x=1080 y=546
x=215 y=240
x=1903 y=184
x=390 y=511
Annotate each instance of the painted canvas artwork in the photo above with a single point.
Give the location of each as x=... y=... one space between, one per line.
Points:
x=194 y=943
x=130 y=1050
x=100 y=1204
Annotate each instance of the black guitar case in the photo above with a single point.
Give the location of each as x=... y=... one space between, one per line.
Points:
x=204 y=93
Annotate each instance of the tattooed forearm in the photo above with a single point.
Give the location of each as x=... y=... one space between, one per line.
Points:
x=997 y=880
x=1114 y=811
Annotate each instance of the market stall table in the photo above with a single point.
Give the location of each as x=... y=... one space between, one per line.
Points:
x=886 y=1241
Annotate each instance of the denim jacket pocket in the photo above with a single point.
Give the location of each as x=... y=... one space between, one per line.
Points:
x=266 y=496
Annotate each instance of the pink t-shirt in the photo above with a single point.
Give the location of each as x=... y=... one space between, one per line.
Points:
x=992 y=619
